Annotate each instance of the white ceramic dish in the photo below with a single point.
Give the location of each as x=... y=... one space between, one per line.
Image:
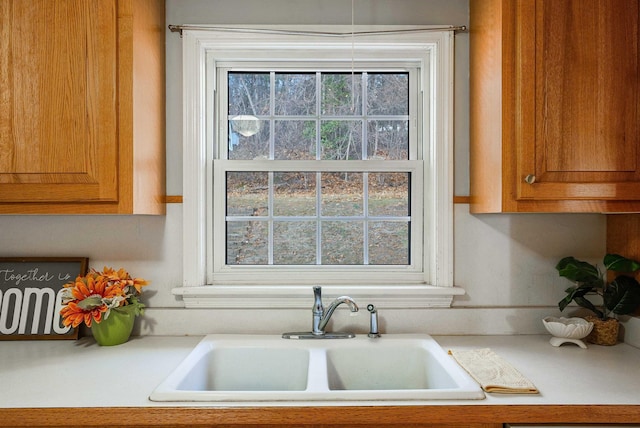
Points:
x=567 y=330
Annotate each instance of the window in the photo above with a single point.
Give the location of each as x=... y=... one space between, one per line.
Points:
x=318 y=160
x=317 y=173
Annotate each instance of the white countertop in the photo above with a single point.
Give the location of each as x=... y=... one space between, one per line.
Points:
x=60 y=373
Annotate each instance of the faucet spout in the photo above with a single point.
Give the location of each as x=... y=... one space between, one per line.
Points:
x=353 y=306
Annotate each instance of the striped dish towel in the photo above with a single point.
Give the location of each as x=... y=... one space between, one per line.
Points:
x=492 y=372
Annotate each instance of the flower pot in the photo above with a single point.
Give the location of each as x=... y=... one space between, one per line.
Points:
x=116 y=329
x=605 y=332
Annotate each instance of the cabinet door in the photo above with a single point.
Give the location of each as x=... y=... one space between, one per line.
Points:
x=58 y=112
x=578 y=118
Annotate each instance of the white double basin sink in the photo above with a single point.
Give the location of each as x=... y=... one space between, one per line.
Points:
x=225 y=368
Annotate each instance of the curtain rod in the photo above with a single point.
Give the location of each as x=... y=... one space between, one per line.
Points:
x=181 y=28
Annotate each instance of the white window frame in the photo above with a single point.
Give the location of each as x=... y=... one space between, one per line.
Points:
x=360 y=44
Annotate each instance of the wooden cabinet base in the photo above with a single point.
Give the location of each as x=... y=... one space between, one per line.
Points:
x=444 y=416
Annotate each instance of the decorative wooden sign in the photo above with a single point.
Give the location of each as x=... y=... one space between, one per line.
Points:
x=30 y=299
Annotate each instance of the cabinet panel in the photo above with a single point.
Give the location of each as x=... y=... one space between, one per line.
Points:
x=58 y=115
x=586 y=86
x=565 y=76
x=570 y=426
x=583 y=141
x=82 y=106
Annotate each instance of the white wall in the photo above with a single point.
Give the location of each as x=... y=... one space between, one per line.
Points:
x=504 y=262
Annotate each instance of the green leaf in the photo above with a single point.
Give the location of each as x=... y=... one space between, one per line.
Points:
x=622 y=295
x=617 y=263
x=139 y=306
x=576 y=294
x=580 y=300
x=579 y=271
x=565 y=302
x=90 y=303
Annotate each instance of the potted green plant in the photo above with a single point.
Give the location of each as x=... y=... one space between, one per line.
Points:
x=620 y=296
x=107 y=302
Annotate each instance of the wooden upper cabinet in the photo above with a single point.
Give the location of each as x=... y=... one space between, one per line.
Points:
x=555 y=122
x=82 y=106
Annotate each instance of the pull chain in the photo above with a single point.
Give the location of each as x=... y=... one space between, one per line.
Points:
x=353 y=75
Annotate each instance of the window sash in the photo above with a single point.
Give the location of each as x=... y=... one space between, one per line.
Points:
x=219 y=96
x=327 y=274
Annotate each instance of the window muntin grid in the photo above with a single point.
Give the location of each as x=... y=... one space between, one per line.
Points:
x=313 y=226
x=331 y=114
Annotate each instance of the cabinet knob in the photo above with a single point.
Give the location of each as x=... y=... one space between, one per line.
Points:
x=530 y=179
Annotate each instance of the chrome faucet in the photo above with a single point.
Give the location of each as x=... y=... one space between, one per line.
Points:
x=322 y=317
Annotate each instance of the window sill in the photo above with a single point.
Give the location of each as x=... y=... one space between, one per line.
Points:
x=301 y=297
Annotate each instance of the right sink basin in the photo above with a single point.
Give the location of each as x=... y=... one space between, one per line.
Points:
x=396 y=367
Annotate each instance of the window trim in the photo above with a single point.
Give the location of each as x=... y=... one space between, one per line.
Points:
x=197 y=174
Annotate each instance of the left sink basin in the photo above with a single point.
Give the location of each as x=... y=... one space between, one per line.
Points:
x=236 y=368
x=248 y=369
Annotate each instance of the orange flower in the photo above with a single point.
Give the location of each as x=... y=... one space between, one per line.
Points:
x=90 y=298
x=73 y=315
x=93 y=284
x=138 y=283
x=123 y=278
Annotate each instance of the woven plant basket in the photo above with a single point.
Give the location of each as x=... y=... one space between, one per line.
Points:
x=605 y=332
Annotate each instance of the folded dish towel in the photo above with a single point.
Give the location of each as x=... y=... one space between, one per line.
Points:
x=492 y=372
